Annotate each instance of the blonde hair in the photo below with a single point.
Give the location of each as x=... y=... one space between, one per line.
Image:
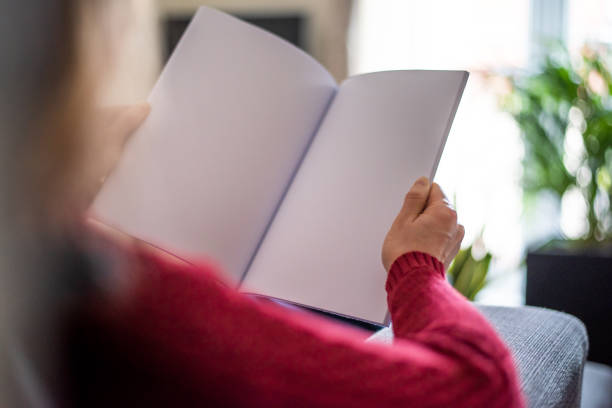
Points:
x=50 y=160
x=49 y=78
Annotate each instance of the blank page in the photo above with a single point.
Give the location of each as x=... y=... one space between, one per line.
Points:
x=382 y=132
x=232 y=114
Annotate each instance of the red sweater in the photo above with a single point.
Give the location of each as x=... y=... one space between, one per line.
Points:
x=179 y=337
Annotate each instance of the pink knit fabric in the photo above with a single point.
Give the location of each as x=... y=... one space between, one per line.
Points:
x=205 y=344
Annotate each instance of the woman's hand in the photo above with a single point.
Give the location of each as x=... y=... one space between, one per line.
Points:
x=426 y=223
x=109 y=130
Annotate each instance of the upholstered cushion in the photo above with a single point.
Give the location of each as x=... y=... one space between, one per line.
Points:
x=549 y=348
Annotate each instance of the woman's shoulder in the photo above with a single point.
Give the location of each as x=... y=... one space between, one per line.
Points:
x=150 y=262
x=130 y=277
x=141 y=305
x=135 y=257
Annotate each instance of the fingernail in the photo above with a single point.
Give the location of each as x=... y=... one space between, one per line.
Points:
x=422 y=181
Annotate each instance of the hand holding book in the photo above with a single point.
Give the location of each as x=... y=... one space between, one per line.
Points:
x=254 y=156
x=107 y=131
x=426 y=223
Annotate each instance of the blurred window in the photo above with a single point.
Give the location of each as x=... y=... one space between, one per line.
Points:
x=480 y=168
x=291 y=27
x=589 y=21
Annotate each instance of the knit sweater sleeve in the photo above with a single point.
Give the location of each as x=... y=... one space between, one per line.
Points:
x=221 y=348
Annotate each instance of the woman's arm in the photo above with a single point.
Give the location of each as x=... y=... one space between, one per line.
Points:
x=199 y=342
x=204 y=343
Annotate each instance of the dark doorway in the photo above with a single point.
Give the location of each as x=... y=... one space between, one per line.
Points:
x=291 y=27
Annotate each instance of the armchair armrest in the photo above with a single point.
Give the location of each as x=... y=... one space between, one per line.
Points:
x=549 y=348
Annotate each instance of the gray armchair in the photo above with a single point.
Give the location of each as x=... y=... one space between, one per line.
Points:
x=549 y=348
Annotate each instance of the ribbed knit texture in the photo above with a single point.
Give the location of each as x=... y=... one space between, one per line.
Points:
x=179 y=337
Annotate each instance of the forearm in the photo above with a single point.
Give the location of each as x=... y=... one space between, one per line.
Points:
x=209 y=338
x=425 y=308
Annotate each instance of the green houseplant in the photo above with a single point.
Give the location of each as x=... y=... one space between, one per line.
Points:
x=564 y=112
x=468 y=273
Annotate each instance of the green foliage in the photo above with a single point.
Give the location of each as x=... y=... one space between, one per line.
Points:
x=467 y=274
x=564 y=112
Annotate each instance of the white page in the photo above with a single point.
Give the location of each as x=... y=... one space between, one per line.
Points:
x=232 y=114
x=382 y=132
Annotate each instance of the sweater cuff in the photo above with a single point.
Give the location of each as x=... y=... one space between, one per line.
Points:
x=411 y=261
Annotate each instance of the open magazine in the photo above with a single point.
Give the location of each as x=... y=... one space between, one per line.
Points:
x=253 y=155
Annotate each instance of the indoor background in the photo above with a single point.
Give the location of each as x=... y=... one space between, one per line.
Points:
x=481 y=166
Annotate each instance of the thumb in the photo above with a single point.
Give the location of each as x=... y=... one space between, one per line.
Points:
x=436 y=195
x=416 y=198
x=127 y=120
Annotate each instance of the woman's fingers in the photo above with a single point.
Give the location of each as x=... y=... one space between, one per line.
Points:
x=416 y=199
x=425 y=224
x=455 y=247
x=126 y=121
x=108 y=130
x=460 y=233
x=436 y=195
x=116 y=126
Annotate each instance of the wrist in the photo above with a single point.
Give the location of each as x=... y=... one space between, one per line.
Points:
x=413 y=262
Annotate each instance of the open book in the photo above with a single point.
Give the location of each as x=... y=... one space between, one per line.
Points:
x=254 y=156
